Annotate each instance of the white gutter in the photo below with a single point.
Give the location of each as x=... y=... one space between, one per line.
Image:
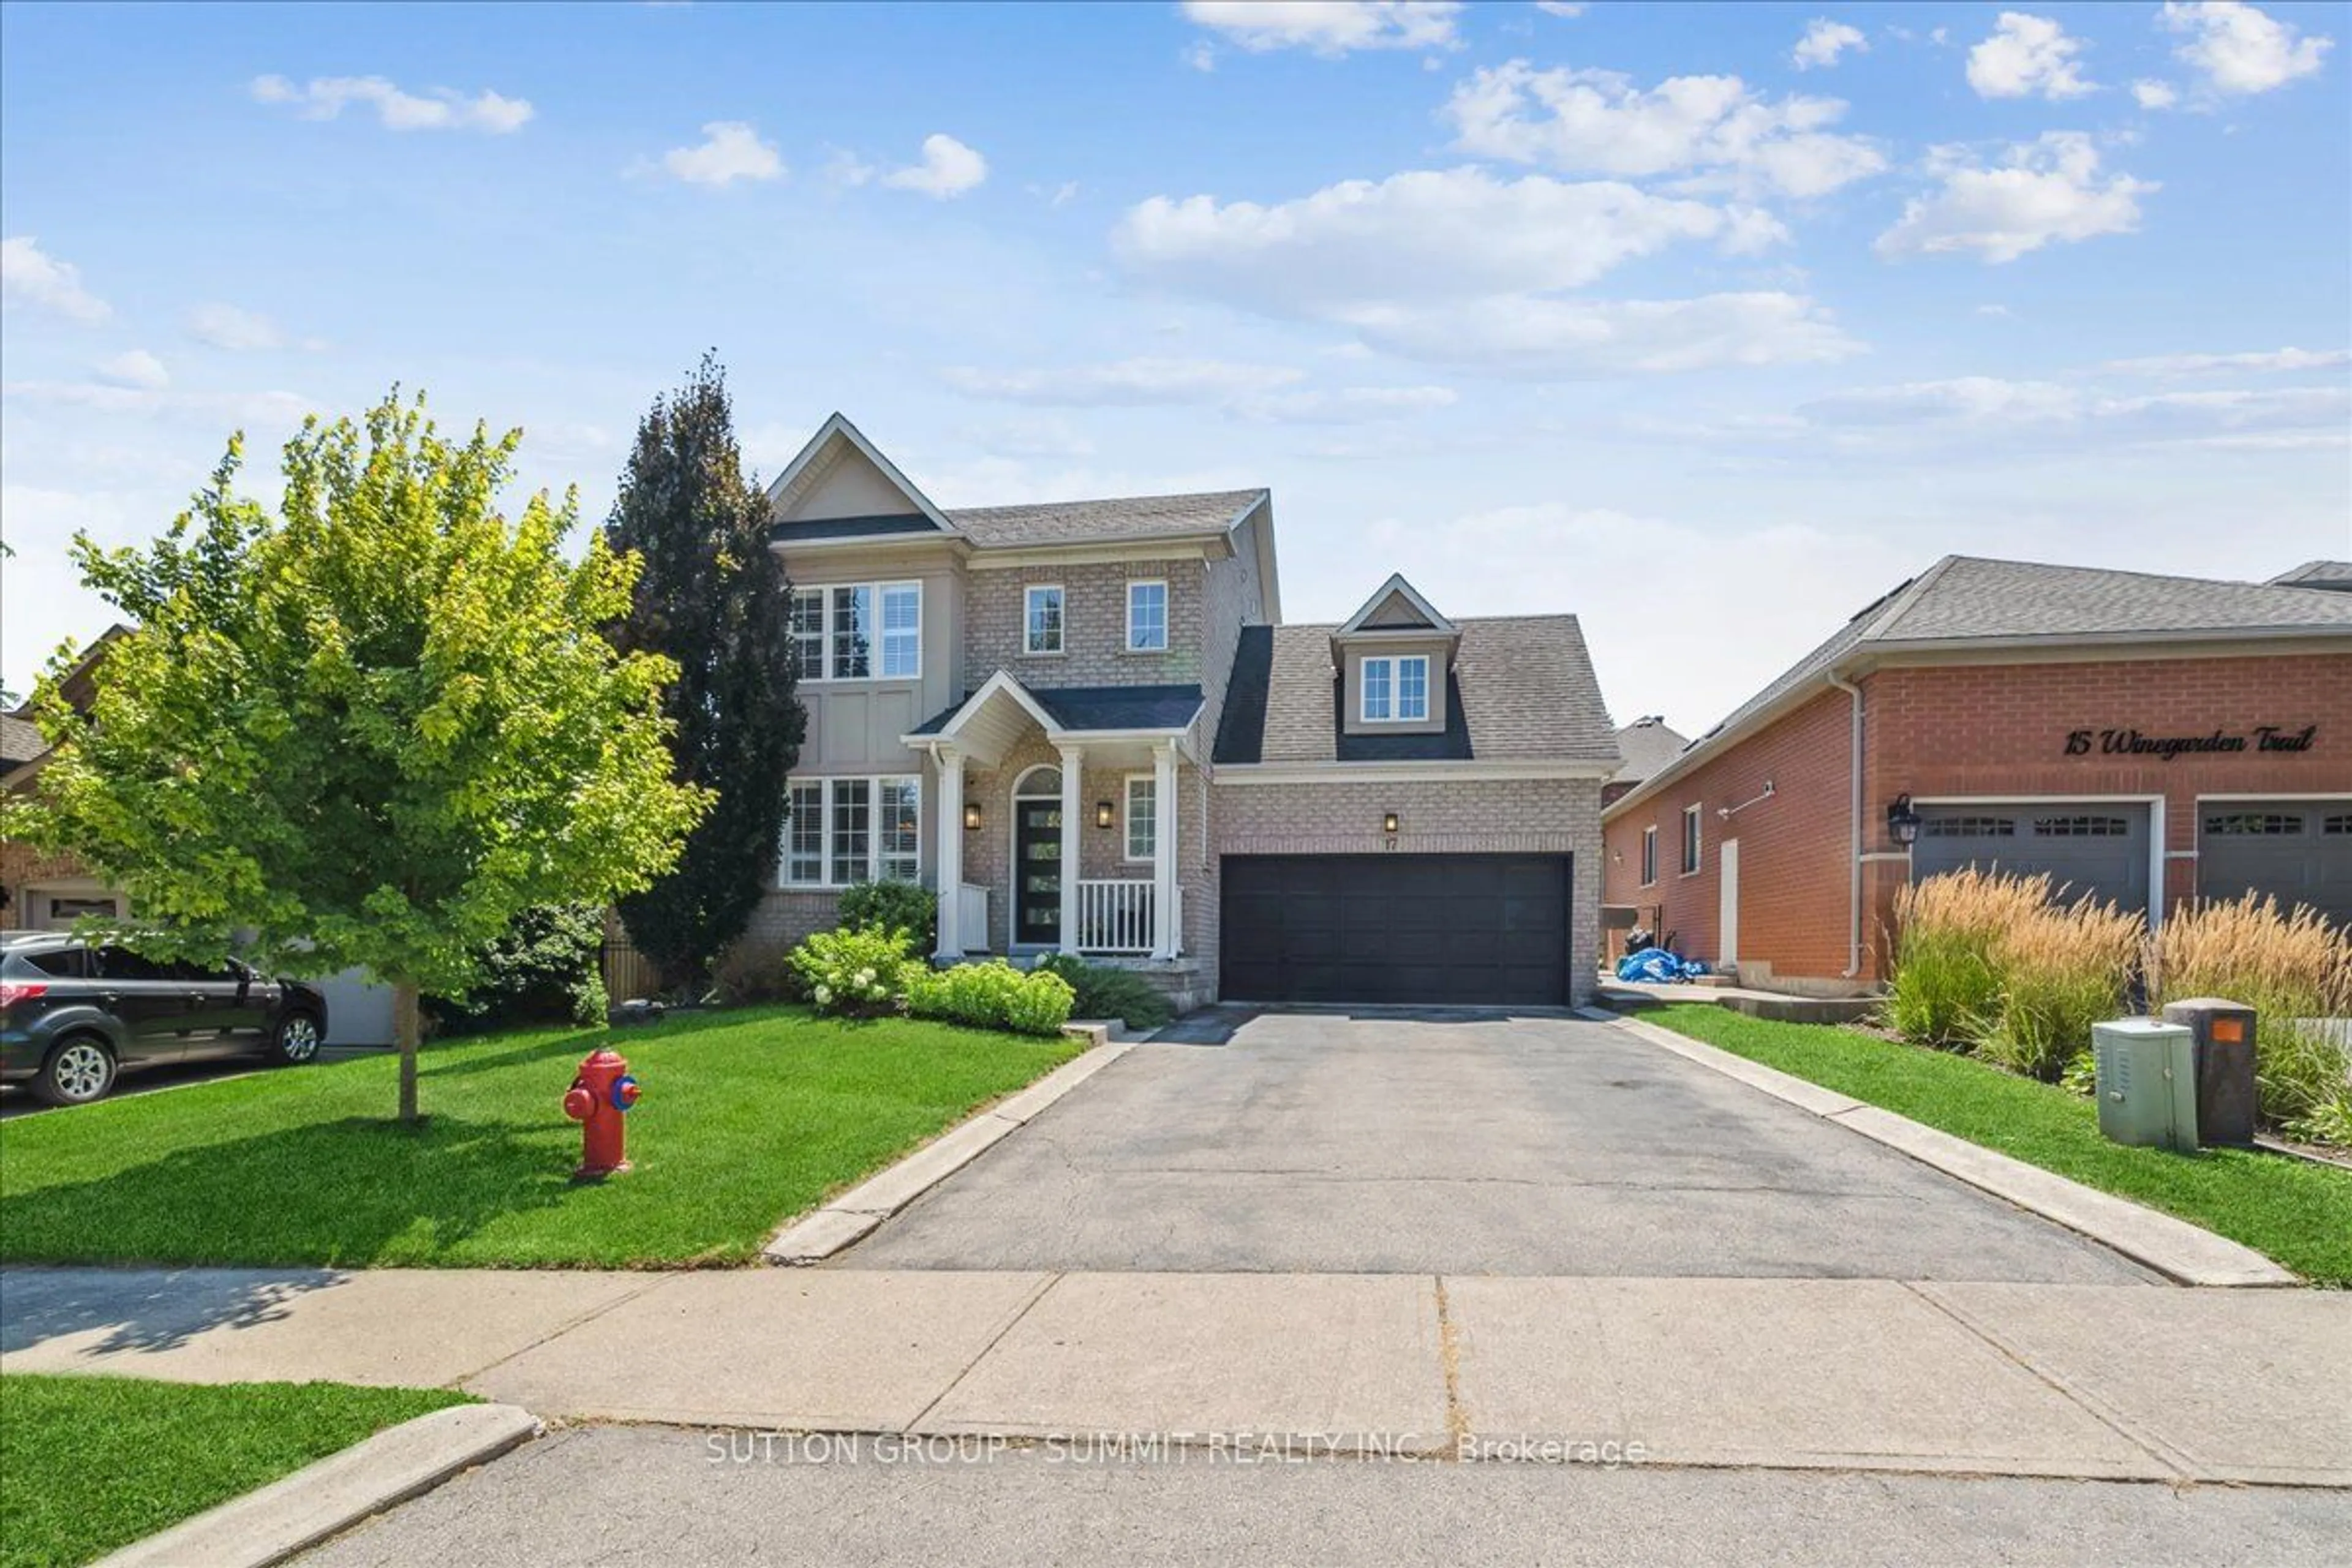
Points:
x=1854 y=870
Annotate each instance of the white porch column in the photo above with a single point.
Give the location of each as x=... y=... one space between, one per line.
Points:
x=1073 y=786
x=1165 y=938
x=948 y=858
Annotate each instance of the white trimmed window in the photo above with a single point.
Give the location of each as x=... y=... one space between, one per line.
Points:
x=1041 y=619
x=1690 y=841
x=1649 y=855
x=858 y=631
x=1395 y=690
x=1147 y=618
x=808 y=632
x=840 y=831
x=1142 y=816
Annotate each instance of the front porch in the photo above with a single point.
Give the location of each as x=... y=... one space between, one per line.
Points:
x=1059 y=817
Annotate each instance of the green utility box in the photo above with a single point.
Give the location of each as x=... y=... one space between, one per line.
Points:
x=2146 y=1082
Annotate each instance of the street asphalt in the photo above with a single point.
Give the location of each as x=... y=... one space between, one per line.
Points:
x=654 y=1497
x=1436 y=1143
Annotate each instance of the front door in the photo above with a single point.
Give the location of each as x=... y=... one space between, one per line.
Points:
x=1038 y=873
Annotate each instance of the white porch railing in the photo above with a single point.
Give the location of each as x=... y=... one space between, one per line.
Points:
x=1115 y=915
x=972 y=917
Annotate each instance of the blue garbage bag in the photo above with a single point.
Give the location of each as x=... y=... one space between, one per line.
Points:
x=1658 y=967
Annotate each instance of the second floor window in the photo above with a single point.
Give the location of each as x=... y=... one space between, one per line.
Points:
x=1147 y=618
x=1396 y=690
x=1042 y=617
x=857 y=631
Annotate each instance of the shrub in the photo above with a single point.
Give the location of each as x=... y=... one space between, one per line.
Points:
x=2296 y=971
x=2062 y=970
x=1105 y=991
x=860 y=974
x=1946 y=987
x=547 y=969
x=992 y=995
x=908 y=907
x=756 y=969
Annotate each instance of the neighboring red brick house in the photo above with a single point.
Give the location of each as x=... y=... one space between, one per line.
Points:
x=2148 y=739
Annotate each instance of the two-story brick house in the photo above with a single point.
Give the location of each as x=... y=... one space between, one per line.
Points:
x=1085 y=724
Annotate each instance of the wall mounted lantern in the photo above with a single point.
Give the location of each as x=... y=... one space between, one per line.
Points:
x=1389 y=823
x=1102 y=814
x=972 y=817
x=1902 y=822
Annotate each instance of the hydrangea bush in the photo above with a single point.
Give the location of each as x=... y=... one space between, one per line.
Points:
x=859 y=973
x=994 y=995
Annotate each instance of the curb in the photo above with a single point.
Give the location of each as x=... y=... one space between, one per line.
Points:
x=325 y=1498
x=837 y=1225
x=2182 y=1252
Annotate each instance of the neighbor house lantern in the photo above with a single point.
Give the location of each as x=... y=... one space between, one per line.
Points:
x=1902 y=822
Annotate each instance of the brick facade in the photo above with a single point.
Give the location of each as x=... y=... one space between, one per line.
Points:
x=1094 y=626
x=1995 y=731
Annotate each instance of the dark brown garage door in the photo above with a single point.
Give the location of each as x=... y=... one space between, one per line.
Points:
x=1464 y=930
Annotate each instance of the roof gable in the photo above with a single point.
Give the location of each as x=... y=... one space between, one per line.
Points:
x=1396 y=606
x=839 y=477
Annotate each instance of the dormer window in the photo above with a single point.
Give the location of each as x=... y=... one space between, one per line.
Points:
x=1396 y=690
x=1147 y=618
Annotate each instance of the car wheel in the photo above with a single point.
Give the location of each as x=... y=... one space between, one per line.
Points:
x=79 y=1070
x=297 y=1040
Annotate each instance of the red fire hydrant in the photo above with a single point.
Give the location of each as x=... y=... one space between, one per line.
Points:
x=600 y=1095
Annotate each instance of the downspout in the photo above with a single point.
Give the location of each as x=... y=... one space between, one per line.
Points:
x=1853 y=855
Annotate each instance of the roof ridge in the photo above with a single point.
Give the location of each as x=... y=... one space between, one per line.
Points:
x=1112 y=501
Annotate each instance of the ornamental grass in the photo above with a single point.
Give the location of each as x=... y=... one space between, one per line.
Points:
x=1945 y=989
x=2294 y=969
x=2063 y=968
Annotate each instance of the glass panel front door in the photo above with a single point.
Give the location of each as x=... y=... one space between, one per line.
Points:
x=1037 y=872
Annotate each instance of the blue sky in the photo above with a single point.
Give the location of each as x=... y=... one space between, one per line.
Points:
x=1709 y=323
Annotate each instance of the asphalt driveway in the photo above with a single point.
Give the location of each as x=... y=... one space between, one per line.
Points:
x=1453 y=1143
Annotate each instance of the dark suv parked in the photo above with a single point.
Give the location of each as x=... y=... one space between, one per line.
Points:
x=73 y=1015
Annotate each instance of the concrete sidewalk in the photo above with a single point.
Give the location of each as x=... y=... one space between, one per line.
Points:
x=2115 y=1382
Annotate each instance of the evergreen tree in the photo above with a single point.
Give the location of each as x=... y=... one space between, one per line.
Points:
x=712 y=599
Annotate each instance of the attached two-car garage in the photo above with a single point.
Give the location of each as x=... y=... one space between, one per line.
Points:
x=1462 y=930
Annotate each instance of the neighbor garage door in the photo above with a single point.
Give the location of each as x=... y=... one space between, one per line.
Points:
x=2090 y=849
x=1453 y=929
x=2298 y=851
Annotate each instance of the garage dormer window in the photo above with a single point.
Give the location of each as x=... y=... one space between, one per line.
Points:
x=1396 y=690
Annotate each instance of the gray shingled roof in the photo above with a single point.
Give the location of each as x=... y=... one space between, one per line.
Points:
x=20 y=739
x=1078 y=521
x=1526 y=683
x=1082 y=708
x=1965 y=598
x=2331 y=574
x=1649 y=744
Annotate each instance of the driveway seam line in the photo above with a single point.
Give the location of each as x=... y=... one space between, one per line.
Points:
x=1449 y=1364
x=1011 y=1323
x=2182 y=1465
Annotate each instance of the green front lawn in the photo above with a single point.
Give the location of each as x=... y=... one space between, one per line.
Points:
x=747 y=1117
x=2297 y=1214
x=91 y=1463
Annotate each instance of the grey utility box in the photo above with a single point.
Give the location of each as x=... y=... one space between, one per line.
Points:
x=2222 y=1034
x=2146 y=1082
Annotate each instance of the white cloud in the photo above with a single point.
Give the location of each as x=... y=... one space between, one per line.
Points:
x=1201 y=56
x=1569 y=8
x=1548 y=339
x=2040 y=413
x=1997 y=313
x=2044 y=191
x=1131 y=383
x=268 y=410
x=730 y=150
x=949 y=168
x=2279 y=360
x=136 y=368
x=2027 y=55
x=325 y=98
x=2241 y=49
x=1423 y=235
x=1598 y=122
x=1329 y=28
x=227 y=327
x=30 y=276
x=1347 y=405
x=1824 y=40
x=2149 y=93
